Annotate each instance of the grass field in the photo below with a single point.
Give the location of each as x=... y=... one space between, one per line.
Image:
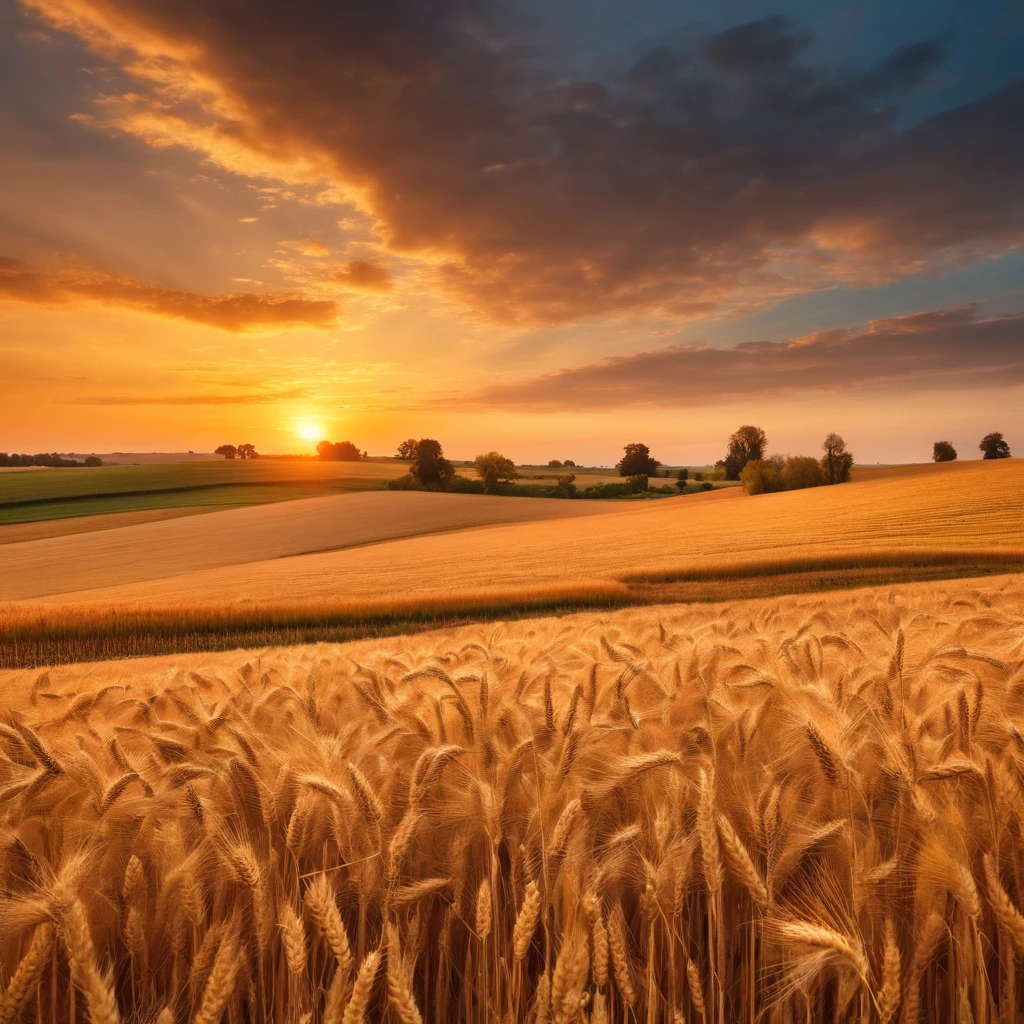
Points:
x=803 y=809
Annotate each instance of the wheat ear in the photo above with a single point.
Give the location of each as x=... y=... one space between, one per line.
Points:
x=889 y=993
x=399 y=989
x=483 y=910
x=620 y=955
x=294 y=938
x=27 y=974
x=324 y=910
x=356 y=1009
x=1006 y=913
x=98 y=991
x=741 y=863
x=221 y=982
x=526 y=921
x=696 y=990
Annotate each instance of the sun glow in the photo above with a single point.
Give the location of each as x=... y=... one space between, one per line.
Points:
x=310 y=431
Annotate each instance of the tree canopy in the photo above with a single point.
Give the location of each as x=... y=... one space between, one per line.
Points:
x=493 y=468
x=248 y=451
x=429 y=466
x=407 y=449
x=229 y=451
x=339 y=451
x=747 y=444
x=837 y=462
x=636 y=461
x=994 y=446
x=943 y=451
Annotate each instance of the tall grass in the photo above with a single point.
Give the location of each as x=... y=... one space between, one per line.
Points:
x=794 y=810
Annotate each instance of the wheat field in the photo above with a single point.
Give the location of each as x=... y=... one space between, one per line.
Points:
x=957 y=508
x=803 y=809
x=139 y=553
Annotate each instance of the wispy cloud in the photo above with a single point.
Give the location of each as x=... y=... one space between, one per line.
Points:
x=254 y=398
x=70 y=282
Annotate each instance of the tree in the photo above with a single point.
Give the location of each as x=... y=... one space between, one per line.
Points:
x=683 y=475
x=407 y=450
x=493 y=468
x=802 y=471
x=569 y=464
x=943 y=451
x=341 y=451
x=837 y=462
x=637 y=461
x=248 y=451
x=994 y=447
x=748 y=444
x=759 y=477
x=555 y=464
x=429 y=466
x=94 y=460
x=229 y=451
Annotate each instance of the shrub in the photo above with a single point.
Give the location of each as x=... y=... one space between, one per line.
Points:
x=802 y=471
x=707 y=486
x=566 y=487
x=758 y=477
x=464 y=485
x=94 y=460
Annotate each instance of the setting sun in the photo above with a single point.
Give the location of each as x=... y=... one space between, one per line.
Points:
x=310 y=431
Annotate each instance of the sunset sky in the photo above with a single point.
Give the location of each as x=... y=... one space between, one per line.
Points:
x=545 y=228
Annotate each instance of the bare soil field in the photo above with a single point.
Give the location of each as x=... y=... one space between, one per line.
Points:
x=796 y=809
x=960 y=508
x=142 y=553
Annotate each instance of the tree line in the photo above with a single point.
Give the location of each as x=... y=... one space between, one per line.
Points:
x=52 y=460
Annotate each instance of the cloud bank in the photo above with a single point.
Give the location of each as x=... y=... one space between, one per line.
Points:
x=716 y=173
x=948 y=348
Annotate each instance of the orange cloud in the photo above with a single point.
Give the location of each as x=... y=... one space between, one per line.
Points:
x=954 y=347
x=69 y=282
x=726 y=171
x=363 y=276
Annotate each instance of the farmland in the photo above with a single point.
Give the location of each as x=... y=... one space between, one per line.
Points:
x=238 y=577
x=804 y=808
x=30 y=496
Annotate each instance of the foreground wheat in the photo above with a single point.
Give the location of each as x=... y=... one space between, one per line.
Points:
x=782 y=811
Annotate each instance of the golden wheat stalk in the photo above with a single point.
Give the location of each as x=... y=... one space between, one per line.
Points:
x=27 y=973
x=98 y=990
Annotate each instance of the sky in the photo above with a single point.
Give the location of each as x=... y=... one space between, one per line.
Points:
x=547 y=229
